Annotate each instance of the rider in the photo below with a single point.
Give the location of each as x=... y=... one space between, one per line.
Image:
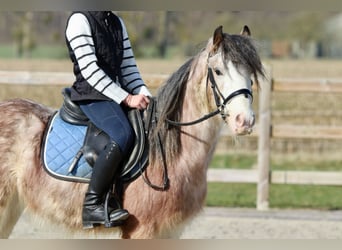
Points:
x=107 y=79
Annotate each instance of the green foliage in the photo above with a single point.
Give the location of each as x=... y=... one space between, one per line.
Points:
x=182 y=29
x=307 y=26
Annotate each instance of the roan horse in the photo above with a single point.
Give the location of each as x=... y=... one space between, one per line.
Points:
x=215 y=81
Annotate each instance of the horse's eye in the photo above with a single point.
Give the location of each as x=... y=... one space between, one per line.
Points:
x=251 y=82
x=218 y=72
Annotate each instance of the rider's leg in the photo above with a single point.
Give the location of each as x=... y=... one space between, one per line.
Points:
x=104 y=170
x=109 y=117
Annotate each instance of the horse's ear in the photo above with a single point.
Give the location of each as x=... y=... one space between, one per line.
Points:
x=217 y=38
x=245 y=31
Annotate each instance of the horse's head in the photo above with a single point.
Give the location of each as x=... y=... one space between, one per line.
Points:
x=232 y=61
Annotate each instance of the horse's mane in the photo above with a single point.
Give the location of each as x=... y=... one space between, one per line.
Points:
x=237 y=48
x=169 y=100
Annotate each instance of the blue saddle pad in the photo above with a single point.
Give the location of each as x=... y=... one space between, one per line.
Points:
x=62 y=143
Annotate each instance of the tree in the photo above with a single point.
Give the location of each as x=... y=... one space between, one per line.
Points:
x=23 y=34
x=164 y=42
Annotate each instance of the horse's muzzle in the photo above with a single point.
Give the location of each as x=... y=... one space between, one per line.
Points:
x=243 y=125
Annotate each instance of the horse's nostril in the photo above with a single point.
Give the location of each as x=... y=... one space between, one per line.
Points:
x=240 y=120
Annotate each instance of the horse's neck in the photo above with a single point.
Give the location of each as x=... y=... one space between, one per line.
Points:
x=199 y=140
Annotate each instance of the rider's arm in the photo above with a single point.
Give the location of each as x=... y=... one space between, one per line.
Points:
x=78 y=33
x=132 y=79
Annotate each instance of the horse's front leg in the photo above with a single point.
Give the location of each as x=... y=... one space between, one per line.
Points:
x=10 y=208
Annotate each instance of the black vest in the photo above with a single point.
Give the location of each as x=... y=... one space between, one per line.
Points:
x=108 y=40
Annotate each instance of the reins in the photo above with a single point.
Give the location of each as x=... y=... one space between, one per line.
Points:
x=151 y=120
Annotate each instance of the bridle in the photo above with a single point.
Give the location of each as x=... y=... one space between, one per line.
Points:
x=220 y=101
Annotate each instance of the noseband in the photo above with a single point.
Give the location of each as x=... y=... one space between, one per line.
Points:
x=219 y=96
x=220 y=101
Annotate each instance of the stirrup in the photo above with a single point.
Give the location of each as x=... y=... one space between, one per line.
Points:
x=108 y=223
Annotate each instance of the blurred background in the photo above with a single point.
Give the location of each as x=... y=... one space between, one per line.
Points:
x=298 y=47
x=169 y=34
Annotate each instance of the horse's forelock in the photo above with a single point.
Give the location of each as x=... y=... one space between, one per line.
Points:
x=241 y=50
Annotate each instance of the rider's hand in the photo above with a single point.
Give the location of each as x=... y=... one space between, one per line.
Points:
x=137 y=101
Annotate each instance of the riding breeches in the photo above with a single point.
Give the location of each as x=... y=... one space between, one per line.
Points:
x=110 y=117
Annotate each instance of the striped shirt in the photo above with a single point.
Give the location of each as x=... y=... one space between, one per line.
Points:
x=78 y=34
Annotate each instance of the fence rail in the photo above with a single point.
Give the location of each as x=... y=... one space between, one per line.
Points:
x=333 y=85
x=328 y=178
x=262 y=175
x=62 y=78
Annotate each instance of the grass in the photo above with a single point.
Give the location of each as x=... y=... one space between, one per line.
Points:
x=231 y=195
x=40 y=52
x=280 y=196
x=233 y=161
x=283 y=162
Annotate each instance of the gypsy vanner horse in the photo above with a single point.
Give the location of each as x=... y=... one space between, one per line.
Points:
x=210 y=89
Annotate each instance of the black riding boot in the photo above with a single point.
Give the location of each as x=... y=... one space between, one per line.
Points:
x=94 y=210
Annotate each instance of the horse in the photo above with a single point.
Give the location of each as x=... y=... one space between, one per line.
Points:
x=210 y=89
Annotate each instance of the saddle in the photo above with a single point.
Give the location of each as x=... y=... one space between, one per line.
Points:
x=72 y=143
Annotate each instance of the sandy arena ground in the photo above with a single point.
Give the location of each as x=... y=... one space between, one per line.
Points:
x=229 y=223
